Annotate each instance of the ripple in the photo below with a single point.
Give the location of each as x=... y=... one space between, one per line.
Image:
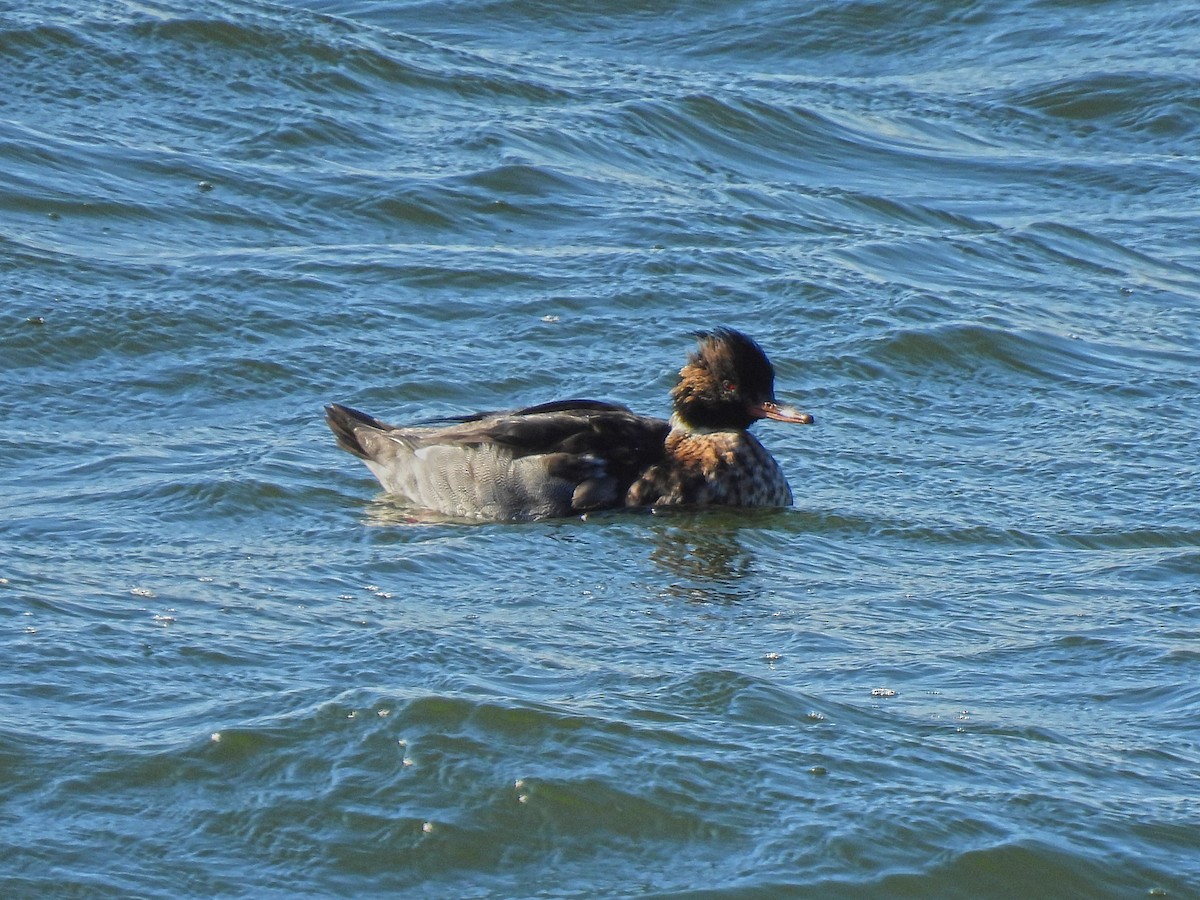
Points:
x=1085 y=249
x=230 y=672
x=340 y=55
x=1032 y=864
x=484 y=201
x=1156 y=105
x=967 y=347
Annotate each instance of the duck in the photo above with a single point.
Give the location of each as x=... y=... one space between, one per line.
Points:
x=573 y=457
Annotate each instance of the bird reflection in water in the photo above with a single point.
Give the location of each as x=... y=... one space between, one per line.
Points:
x=707 y=556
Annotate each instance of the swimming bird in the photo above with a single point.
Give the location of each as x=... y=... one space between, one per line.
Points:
x=572 y=456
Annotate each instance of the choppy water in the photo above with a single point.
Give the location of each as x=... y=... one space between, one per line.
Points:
x=967 y=664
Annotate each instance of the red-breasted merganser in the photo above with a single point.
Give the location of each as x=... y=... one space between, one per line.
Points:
x=573 y=456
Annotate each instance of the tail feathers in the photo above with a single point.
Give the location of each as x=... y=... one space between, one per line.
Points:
x=345 y=422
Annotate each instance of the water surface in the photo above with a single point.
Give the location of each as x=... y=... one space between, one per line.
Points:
x=966 y=664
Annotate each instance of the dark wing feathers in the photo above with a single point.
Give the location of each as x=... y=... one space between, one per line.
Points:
x=343 y=421
x=551 y=407
x=573 y=406
x=584 y=443
x=602 y=448
x=608 y=432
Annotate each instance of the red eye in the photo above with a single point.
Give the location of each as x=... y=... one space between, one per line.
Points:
x=730 y=387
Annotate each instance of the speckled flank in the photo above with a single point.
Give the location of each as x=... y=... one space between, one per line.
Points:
x=728 y=467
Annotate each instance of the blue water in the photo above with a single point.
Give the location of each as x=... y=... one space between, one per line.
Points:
x=965 y=665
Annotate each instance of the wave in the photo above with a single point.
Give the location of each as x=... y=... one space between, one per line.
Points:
x=1156 y=105
x=976 y=348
